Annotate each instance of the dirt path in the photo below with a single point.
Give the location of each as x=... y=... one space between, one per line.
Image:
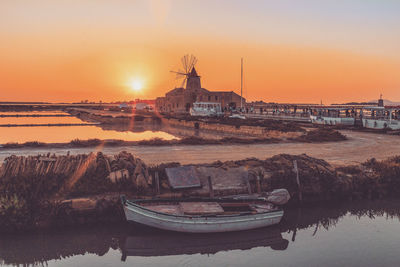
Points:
x=360 y=147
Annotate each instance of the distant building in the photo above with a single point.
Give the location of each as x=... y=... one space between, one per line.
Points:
x=180 y=100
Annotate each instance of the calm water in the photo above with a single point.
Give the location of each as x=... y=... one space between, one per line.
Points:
x=137 y=131
x=40 y=120
x=61 y=134
x=359 y=234
x=34 y=112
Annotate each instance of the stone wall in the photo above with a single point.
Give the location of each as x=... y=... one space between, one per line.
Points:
x=253 y=131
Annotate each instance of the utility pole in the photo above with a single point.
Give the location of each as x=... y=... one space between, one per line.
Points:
x=241 y=85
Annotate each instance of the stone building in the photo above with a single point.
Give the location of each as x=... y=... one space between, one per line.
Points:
x=180 y=100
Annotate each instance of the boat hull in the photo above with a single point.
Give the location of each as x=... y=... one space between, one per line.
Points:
x=200 y=224
x=332 y=121
x=381 y=124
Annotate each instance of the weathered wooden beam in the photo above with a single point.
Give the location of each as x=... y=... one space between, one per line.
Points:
x=157 y=183
x=296 y=170
x=248 y=184
x=210 y=187
x=258 y=183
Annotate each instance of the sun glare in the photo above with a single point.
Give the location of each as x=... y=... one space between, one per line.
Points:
x=136 y=85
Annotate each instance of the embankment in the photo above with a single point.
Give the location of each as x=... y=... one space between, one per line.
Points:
x=110 y=118
x=249 y=127
x=47 y=191
x=314 y=136
x=253 y=128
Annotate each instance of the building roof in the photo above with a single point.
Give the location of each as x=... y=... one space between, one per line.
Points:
x=176 y=91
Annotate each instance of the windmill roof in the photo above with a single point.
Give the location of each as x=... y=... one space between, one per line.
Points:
x=193 y=73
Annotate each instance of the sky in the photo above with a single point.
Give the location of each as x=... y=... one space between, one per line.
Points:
x=299 y=51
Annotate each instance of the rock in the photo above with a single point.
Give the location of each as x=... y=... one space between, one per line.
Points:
x=141 y=182
x=165 y=185
x=81 y=204
x=148 y=177
x=118 y=175
x=138 y=169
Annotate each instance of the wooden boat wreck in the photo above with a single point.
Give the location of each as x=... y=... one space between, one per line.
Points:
x=207 y=215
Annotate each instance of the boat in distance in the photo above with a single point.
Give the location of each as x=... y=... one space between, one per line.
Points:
x=206 y=109
x=203 y=215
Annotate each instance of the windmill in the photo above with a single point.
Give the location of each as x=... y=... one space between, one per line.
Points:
x=188 y=63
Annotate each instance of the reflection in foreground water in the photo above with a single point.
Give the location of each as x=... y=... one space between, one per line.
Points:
x=64 y=134
x=359 y=234
x=166 y=243
x=39 y=120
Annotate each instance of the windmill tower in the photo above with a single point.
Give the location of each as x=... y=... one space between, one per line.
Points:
x=189 y=74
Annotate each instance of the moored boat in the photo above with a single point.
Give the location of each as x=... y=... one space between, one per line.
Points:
x=206 y=109
x=333 y=116
x=237 y=115
x=381 y=117
x=205 y=215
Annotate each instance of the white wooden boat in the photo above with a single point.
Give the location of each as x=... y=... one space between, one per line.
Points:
x=203 y=215
x=206 y=109
x=381 y=118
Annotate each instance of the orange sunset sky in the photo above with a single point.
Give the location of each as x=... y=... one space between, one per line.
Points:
x=294 y=51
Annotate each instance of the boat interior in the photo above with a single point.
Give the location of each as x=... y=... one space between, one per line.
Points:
x=209 y=208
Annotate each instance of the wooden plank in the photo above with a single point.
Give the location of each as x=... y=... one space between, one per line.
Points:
x=210 y=187
x=259 y=208
x=47 y=159
x=238 y=204
x=183 y=177
x=296 y=170
x=258 y=183
x=200 y=208
x=157 y=183
x=169 y=209
x=248 y=184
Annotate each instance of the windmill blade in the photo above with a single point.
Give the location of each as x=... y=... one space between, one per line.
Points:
x=193 y=61
x=183 y=82
x=178 y=72
x=185 y=63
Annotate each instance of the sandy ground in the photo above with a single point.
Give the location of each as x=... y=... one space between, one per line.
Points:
x=360 y=147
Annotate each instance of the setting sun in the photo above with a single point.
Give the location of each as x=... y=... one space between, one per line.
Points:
x=136 y=85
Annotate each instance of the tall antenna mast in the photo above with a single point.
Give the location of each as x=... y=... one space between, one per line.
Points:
x=241 y=85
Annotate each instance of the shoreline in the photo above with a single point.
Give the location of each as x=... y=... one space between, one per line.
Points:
x=100 y=238
x=94 y=197
x=315 y=136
